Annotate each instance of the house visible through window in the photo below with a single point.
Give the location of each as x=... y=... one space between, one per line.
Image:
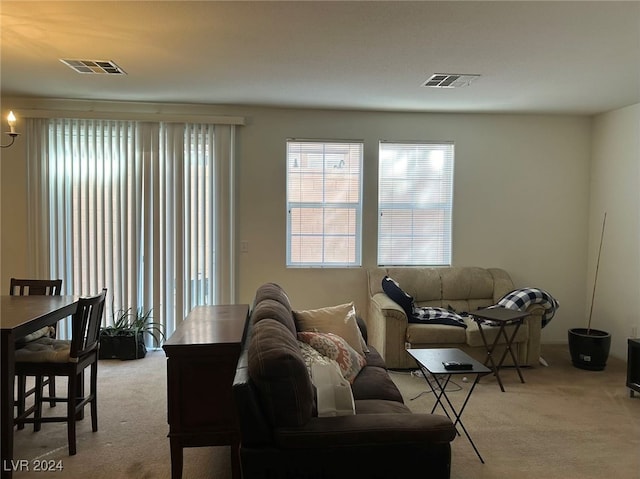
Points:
x=324 y=203
x=415 y=196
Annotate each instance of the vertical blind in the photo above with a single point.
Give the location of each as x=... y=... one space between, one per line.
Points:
x=133 y=207
x=324 y=203
x=415 y=196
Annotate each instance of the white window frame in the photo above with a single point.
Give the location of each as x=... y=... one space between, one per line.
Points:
x=415 y=203
x=332 y=162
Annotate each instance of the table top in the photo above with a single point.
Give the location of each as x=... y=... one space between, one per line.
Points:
x=20 y=312
x=205 y=325
x=499 y=314
x=431 y=359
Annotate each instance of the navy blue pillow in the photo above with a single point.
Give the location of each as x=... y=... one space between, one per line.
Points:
x=393 y=290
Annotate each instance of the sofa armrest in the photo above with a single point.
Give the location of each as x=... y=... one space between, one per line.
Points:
x=387 y=329
x=362 y=429
x=533 y=323
x=502 y=283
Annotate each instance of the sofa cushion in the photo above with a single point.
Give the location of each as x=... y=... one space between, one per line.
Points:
x=435 y=334
x=272 y=291
x=423 y=284
x=277 y=369
x=340 y=320
x=335 y=347
x=272 y=309
x=374 y=383
x=373 y=358
x=465 y=283
x=380 y=406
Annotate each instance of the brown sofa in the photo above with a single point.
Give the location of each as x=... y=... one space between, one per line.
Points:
x=281 y=434
x=465 y=289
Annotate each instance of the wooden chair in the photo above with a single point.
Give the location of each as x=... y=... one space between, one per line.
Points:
x=53 y=357
x=25 y=287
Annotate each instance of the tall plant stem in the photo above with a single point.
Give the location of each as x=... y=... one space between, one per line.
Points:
x=595 y=280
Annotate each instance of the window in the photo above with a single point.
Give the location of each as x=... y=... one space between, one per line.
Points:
x=133 y=207
x=415 y=197
x=324 y=203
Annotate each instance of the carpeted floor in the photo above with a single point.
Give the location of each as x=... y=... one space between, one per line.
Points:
x=131 y=441
x=562 y=423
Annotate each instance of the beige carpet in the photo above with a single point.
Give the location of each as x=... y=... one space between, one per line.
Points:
x=131 y=441
x=562 y=423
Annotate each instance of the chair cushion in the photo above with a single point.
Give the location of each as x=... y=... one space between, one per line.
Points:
x=45 y=331
x=45 y=350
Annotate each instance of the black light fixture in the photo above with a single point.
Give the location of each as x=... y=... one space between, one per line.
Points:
x=11 y=119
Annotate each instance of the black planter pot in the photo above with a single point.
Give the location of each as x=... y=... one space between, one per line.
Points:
x=589 y=348
x=122 y=347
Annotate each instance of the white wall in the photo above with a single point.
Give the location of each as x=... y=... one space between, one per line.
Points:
x=615 y=189
x=520 y=202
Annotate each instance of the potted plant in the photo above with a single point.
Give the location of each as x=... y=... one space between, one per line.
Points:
x=589 y=348
x=125 y=338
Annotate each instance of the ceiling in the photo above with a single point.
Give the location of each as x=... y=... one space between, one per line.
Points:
x=576 y=57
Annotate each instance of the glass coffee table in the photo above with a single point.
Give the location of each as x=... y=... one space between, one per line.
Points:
x=432 y=363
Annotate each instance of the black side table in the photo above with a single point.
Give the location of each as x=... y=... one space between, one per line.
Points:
x=501 y=317
x=431 y=361
x=633 y=366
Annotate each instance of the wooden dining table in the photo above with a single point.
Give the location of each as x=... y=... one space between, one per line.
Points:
x=19 y=316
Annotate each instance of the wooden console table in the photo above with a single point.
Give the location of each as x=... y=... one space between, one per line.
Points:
x=202 y=355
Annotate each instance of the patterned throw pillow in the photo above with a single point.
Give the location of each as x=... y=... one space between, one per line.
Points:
x=340 y=320
x=311 y=355
x=336 y=348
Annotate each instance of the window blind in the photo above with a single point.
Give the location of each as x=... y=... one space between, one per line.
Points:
x=324 y=205
x=415 y=196
x=143 y=208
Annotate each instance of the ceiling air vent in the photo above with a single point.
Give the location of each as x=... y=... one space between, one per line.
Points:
x=105 y=67
x=449 y=80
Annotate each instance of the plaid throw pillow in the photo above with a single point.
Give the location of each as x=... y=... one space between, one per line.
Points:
x=436 y=316
x=521 y=299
